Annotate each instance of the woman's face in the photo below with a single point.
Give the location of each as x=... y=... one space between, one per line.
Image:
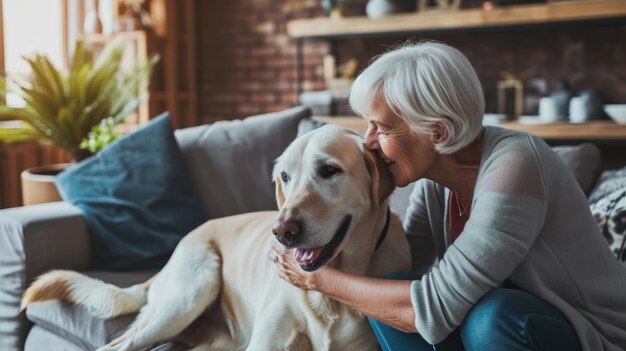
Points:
x=408 y=156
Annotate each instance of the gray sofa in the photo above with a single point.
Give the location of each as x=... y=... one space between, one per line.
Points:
x=38 y=238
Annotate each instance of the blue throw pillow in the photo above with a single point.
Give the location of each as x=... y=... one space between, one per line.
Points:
x=137 y=197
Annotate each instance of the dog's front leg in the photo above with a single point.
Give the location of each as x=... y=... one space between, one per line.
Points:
x=185 y=287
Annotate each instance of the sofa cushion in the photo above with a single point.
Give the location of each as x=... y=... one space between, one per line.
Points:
x=307 y=125
x=137 y=198
x=42 y=339
x=231 y=161
x=583 y=160
x=80 y=329
x=74 y=323
x=55 y=320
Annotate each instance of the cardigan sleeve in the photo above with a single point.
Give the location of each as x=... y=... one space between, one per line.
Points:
x=507 y=216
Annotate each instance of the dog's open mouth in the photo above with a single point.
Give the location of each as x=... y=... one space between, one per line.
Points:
x=312 y=259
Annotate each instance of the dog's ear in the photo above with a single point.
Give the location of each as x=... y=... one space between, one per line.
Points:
x=382 y=186
x=280 y=196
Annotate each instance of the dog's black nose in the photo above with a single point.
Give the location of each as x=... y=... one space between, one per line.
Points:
x=285 y=230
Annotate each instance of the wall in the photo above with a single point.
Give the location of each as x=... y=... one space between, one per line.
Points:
x=247 y=62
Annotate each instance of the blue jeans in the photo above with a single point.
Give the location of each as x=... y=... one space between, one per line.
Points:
x=504 y=319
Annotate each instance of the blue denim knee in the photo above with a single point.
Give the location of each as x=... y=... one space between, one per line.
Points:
x=504 y=319
x=509 y=319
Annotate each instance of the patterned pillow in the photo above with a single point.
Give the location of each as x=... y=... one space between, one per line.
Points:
x=610 y=213
x=610 y=181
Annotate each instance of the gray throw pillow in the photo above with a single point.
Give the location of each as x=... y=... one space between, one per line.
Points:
x=583 y=161
x=231 y=161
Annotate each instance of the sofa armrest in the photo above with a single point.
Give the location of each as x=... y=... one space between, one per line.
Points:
x=33 y=240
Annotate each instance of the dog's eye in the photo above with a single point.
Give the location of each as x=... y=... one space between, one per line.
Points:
x=329 y=171
x=284 y=177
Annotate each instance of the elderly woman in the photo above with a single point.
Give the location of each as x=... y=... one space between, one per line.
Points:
x=510 y=255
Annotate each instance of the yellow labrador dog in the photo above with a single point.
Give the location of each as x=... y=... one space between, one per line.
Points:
x=332 y=196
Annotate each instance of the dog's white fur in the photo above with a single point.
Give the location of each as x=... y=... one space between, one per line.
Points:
x=227 y=258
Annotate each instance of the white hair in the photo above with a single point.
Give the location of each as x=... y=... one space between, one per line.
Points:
x=425 y=84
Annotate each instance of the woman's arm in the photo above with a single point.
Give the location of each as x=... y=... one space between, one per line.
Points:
x=388 y=301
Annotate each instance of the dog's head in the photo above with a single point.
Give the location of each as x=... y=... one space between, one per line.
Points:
x=326 y=182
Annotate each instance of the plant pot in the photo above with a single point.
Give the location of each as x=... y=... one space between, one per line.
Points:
x=38 y=184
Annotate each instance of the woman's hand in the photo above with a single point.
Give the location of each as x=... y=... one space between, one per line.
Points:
x=291 y=272
x=361 y=293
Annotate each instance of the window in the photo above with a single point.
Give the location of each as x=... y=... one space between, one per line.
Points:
x=30 y=27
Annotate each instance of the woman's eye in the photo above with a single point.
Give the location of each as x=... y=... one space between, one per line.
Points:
x=284 y=177
x=328 y=171
x=382 y=131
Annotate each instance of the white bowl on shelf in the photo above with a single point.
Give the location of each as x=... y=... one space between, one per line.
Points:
x=617 y=112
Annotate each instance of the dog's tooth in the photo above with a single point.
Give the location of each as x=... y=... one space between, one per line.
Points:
x=309 y=254
x=297 y=254
x=315 y=253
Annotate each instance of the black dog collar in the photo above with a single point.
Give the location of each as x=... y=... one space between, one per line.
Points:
x=383 y=234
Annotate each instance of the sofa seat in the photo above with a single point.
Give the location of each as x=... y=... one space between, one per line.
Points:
x=63 y=326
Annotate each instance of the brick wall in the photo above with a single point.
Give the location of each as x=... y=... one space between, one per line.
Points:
x=247 y=63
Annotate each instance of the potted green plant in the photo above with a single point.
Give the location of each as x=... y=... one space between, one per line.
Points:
x=62 y=108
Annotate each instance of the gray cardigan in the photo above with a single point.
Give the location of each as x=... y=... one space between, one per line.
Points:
x=530 y=223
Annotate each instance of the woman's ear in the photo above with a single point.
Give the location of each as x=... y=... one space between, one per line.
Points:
x=382 y=186
x=280 y=196
x=439 y=133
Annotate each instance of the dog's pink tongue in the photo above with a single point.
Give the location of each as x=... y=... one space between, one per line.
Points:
x=306 y=256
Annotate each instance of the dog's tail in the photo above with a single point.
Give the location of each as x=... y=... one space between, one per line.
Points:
x=101 y=299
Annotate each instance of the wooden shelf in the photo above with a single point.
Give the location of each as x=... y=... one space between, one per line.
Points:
x=598 y=130
x=439 y=20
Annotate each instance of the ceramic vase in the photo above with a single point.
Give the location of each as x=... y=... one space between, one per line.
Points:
x=378 y=8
